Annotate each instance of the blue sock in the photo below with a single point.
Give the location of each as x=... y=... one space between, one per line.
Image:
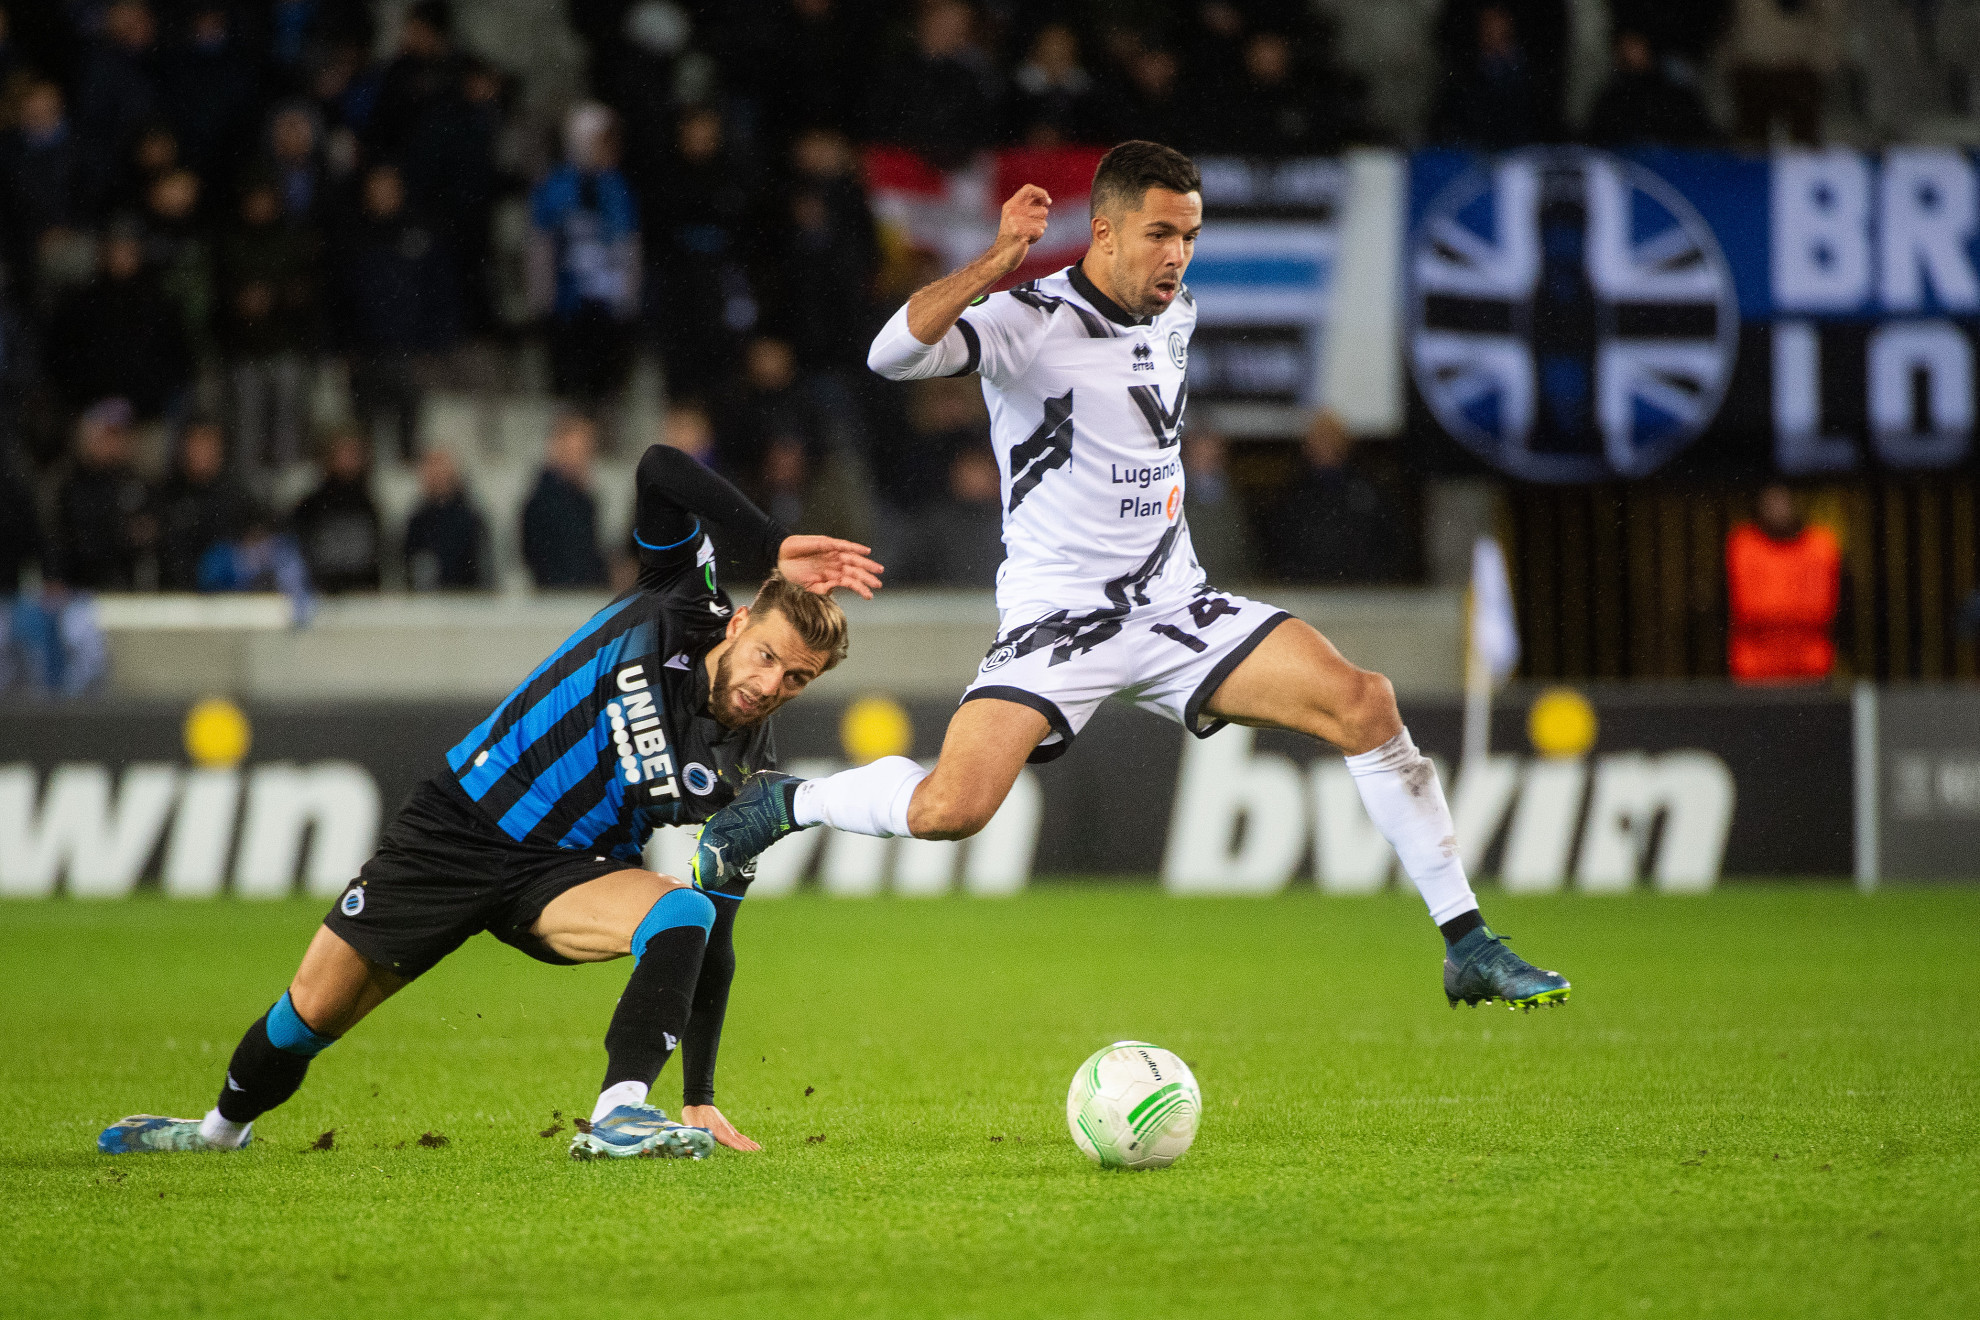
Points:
x=287 y=1031
x=677 y=907
x=269 y=1063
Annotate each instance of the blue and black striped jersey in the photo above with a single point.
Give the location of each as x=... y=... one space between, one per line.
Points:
x=610 y=736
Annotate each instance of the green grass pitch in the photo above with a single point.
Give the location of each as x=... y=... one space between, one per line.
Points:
x=1759 y=1103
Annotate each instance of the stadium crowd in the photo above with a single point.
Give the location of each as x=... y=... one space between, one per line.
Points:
x=223 y=222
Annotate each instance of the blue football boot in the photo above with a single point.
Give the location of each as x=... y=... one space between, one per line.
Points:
x=1480 y=968
x=636 y=1130
x=148 y=1132
x=757 y=817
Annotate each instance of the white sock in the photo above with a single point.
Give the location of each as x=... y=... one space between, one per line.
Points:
x=1399 y=787
x=219 y=1132
x=872 y=799
x=618 y=1093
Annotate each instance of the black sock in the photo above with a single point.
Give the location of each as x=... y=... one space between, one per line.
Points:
x=1460 y=926
x=259 y=1076
x=653 y=1012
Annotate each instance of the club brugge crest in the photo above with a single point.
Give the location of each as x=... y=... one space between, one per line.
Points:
x=1573 y=318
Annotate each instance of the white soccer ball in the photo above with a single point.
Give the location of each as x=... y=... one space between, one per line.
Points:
x=1133 y=1106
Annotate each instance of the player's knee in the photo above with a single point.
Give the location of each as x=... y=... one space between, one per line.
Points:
x=945 y=814
x=288 y=1032
x=1368 y=714
x=676 y=908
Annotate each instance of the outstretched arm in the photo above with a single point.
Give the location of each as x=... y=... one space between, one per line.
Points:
x=916 y=343
x=677 y=495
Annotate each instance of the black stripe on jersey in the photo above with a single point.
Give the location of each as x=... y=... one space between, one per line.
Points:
x=1048 y=447
x=1164 y=422
x=1132 y=588
x=571 y=729
x=975 y=348
x=520 y=702
x=1027 y=293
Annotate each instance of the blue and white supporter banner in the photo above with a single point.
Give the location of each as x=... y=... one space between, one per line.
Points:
x=1263 y=277
x=1581 y=315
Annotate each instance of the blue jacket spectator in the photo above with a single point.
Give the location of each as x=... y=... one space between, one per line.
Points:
x=584 y=260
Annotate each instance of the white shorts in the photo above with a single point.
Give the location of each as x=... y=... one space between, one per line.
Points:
x=1170 y=659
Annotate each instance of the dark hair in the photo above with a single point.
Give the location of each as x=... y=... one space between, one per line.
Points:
x=1128 y=171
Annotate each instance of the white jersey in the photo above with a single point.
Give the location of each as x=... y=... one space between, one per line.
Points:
x=1086 y=415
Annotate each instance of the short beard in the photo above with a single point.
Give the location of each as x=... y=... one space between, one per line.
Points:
x=720 y=704
x=1145 y=308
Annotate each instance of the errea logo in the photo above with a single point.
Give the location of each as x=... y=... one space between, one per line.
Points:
x=1144 y=357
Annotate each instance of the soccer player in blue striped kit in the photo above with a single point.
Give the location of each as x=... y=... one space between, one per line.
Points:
x=653 y=713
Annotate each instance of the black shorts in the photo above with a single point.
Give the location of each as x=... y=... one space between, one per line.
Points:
x=444 y=872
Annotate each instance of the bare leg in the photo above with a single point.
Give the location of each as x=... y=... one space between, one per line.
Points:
x=595 y=921
x=1296 y=680
x=336 y=986
x=982 y=753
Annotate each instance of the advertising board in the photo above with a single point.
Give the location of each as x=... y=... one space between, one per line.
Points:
x=1680 y=787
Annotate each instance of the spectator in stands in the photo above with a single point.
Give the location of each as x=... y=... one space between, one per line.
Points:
x=198 y=506
x=40 y=181
x=1495 y=94
x=942 y=100
x=1643 y=104
x=1779 y=56
x=447 y=538
x=20 y=529
x=117 y=92
x=396 y=281
x=1539 y=29
x=51 y=643
x=177 y=251
x=267 y=321
x=1151 y=106
x=210 y=91
x=1277 y=109
x=1784 y=588
x=823 y=261
x=1218 y=526
x=766 y=406
x=1332 y=525
x=154 y=155
x=968 y=540
x=560 y=519
x=295 y=162
x=687 y=429
x=821 y=70
x=121 y=336
x=702 y=302
x=1054 y=98
x=263 y=558
x=634 y=72
x=455 y=162
x=421 y=78
x=585 y=261
x=337 y=525
x=103 y=521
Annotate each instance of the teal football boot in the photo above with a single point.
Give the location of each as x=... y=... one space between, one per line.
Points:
x=1480 y=968
x=641 y=1130
x=149 y=1132
x=733 y=837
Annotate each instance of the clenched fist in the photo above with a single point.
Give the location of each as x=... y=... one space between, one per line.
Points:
x=1022 y=223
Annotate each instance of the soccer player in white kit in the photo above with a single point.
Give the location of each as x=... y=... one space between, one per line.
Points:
x=1100 y=594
